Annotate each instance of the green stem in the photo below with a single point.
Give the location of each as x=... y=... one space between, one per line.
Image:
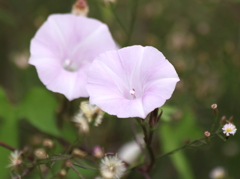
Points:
x=188 y=145
x=214 y=123
x=144 y=130
x=148 y=141
x=118 y=20
x=132 y=22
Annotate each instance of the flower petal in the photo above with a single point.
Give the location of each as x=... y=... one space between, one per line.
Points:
x=131 y=82
x=73 y=40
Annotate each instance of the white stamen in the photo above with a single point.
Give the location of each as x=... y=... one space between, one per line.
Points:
x=69 y=65
x=132 y=92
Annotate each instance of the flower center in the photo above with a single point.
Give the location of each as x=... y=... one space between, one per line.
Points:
x=69 y=65
x=132 y=92
x=229 y=130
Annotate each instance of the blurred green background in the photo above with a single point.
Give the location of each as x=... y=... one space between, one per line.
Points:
x=201 y=38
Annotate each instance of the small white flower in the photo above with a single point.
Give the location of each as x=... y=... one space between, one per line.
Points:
x=15 y=159
x=99 y=118
x=217 y=173
x=81 y=123
x=88 y=110
x=229 y=129
x=131 y=151
x=112 y=167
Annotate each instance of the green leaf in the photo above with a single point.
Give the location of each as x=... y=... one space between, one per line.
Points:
x=38 y=107
x=8 y=131
x=172 y=137
x=167 y=113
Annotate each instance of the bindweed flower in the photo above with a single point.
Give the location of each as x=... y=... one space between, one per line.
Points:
x=131 y=82
x=63 y=49
x=229 y=129
x=111 y=167
x=15 y=159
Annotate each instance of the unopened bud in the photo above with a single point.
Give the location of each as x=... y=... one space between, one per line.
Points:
x=78 y=153
x=98 y=152
x=69 y=163
x=215 y=109
x=41 y=153
x=230 y=119
x=154 y=118
x=80 y=8
x=48 y=143
x=26 y=150
x=62 y=173
x=207 y=134
x=223 y=121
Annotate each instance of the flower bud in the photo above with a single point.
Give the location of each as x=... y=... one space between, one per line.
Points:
x=80 y=8
x=69 y=163
x=215 y=109
x=40 y=153
x=98 y=152
x=78 y=153
x=223 y=120
x=48 y=143
x=62 y=173
x=207 y=134
x=154 y=118
x=230 y=119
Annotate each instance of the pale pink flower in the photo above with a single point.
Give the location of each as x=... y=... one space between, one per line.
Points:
x=131 y=82
x=63 y=49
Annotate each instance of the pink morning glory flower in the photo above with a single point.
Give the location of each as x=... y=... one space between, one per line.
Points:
x=131 y=82
x=63 y=49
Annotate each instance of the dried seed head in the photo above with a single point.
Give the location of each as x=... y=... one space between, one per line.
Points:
x=112 y=167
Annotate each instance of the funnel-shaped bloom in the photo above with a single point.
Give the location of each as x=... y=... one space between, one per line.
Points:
x=63 y=49
x=131 y=82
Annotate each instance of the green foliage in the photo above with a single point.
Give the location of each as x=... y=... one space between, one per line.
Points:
x=172 y=137
x=38 y=107
x=8 y=131
x=7 y=18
